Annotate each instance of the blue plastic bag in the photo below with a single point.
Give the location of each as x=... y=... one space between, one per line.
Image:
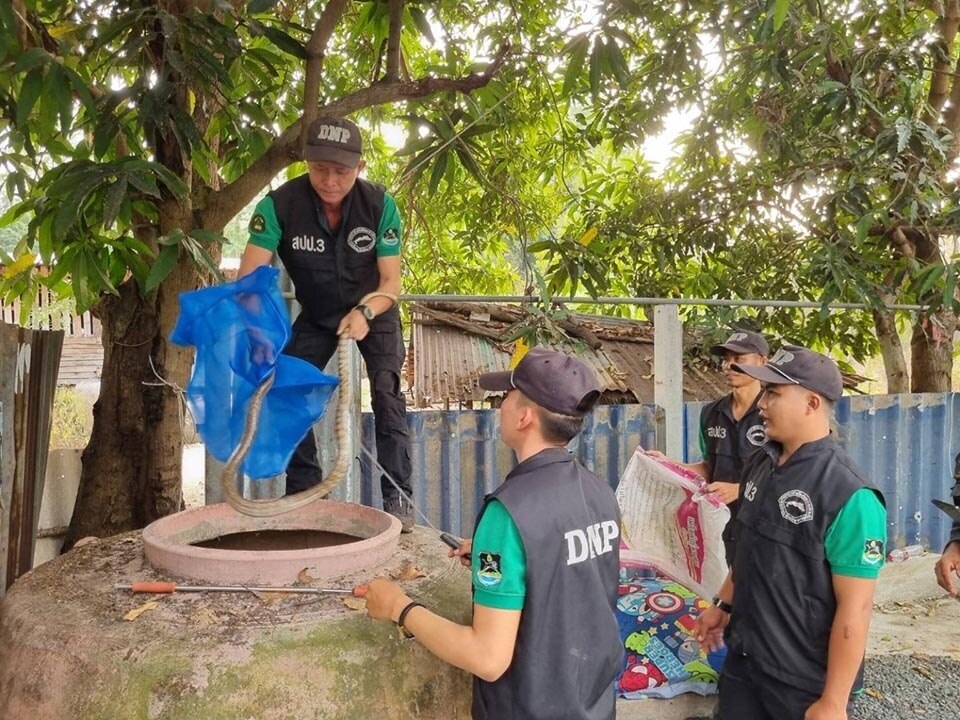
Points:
x=239 y=330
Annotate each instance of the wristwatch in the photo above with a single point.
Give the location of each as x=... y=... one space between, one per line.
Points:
x=723 y=605
x=366 y=311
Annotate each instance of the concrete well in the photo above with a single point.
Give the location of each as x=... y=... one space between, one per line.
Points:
x=67 y=651
x=170 y=544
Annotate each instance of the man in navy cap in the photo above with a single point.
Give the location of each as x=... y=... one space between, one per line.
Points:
x=810 y=543
x=731 y=428
x=338 y=237
x=544 y=643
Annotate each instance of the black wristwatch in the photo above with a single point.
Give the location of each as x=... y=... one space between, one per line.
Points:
x=723 y=605
x=365 y=311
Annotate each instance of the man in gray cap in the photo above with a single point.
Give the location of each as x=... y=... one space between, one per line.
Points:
x=544 y=643
x=810 y=543
x=731 y=428
x=338 y=237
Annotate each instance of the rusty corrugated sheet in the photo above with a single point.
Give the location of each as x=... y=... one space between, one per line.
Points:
x=447 y=361
x=904 y=444
x=29 y=360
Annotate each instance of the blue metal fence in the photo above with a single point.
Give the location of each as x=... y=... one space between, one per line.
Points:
x=457 y=456
x=905 y=444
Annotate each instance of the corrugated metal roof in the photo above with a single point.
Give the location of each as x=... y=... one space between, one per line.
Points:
x=447 y=361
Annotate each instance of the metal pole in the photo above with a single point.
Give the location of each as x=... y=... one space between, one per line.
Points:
x=708 y=302
x=668 y=374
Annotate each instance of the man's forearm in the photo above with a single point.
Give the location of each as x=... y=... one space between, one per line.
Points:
x=380 y=304
x=459 y=645
x=954 y=533
x=848 y=643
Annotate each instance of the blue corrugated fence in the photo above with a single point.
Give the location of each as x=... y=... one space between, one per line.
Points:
x=904 y=443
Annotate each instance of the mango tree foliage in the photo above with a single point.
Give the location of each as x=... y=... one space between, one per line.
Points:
x=132 y=132
x=819 y=164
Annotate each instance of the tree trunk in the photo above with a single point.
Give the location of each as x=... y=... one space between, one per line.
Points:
x=932 y=352
x=132 y=464
x=891 y=349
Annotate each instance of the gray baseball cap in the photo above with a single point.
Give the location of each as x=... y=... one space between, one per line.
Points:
x=742 y=342
x=795 y=365
x=334 y=139
x=554 y=381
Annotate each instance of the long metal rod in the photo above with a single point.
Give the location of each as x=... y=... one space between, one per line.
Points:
x=709 y=302
x=248 y=588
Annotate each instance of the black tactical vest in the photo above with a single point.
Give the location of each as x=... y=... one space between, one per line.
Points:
x=568 y=649
x=331 y=271
x=783 y=596
x=730 y=443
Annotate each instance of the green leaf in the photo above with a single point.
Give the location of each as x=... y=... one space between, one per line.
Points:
x=422 y=22
x=864 y=225
x=207 y=237
x=145 y=182
x=259 y=6
x=29 y=92
x=162 y=266
x=574 y=69
x=286 y=43
x=112 y=200
x=595 y=67
x=80 y=87
x=201 y=259
x=904 y=131
x=780 y=10
x=104 y=278
x=80 y=282
x=62 y=95
x=439 y=168
x=32 y=58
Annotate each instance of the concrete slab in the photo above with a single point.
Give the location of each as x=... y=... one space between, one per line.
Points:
x=678 y=708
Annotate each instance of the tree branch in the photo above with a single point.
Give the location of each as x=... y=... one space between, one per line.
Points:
x=947 y=28
x=316 y=49
x=393 y=41
x=222 y=206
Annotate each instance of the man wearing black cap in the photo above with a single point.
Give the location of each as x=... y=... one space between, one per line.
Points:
x=731 y=428
x=544 y=643
x=339 y=239
x=810 y=543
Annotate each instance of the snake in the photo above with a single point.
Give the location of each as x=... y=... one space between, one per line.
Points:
x=289 y=503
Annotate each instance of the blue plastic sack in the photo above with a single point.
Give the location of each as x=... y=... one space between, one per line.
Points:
x=239 y=330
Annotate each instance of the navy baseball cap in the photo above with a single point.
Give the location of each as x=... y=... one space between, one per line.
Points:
x=795 y=365
x=334 y=139
x=554 y=381
x=742 y=342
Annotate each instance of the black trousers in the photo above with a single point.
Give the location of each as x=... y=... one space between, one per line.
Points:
x=383 y=355
x=747 y=693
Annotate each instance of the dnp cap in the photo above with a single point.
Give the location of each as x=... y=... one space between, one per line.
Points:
x=742 y=342
x=554 y=381
x=795 y=365
x=334 y=139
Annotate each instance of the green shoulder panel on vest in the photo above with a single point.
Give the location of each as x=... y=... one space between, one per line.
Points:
x=390 y=230
x=264 y=226
x=856 y=539
x=499 y=564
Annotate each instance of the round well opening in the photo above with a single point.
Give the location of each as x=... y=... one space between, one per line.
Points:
x=327 y=539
